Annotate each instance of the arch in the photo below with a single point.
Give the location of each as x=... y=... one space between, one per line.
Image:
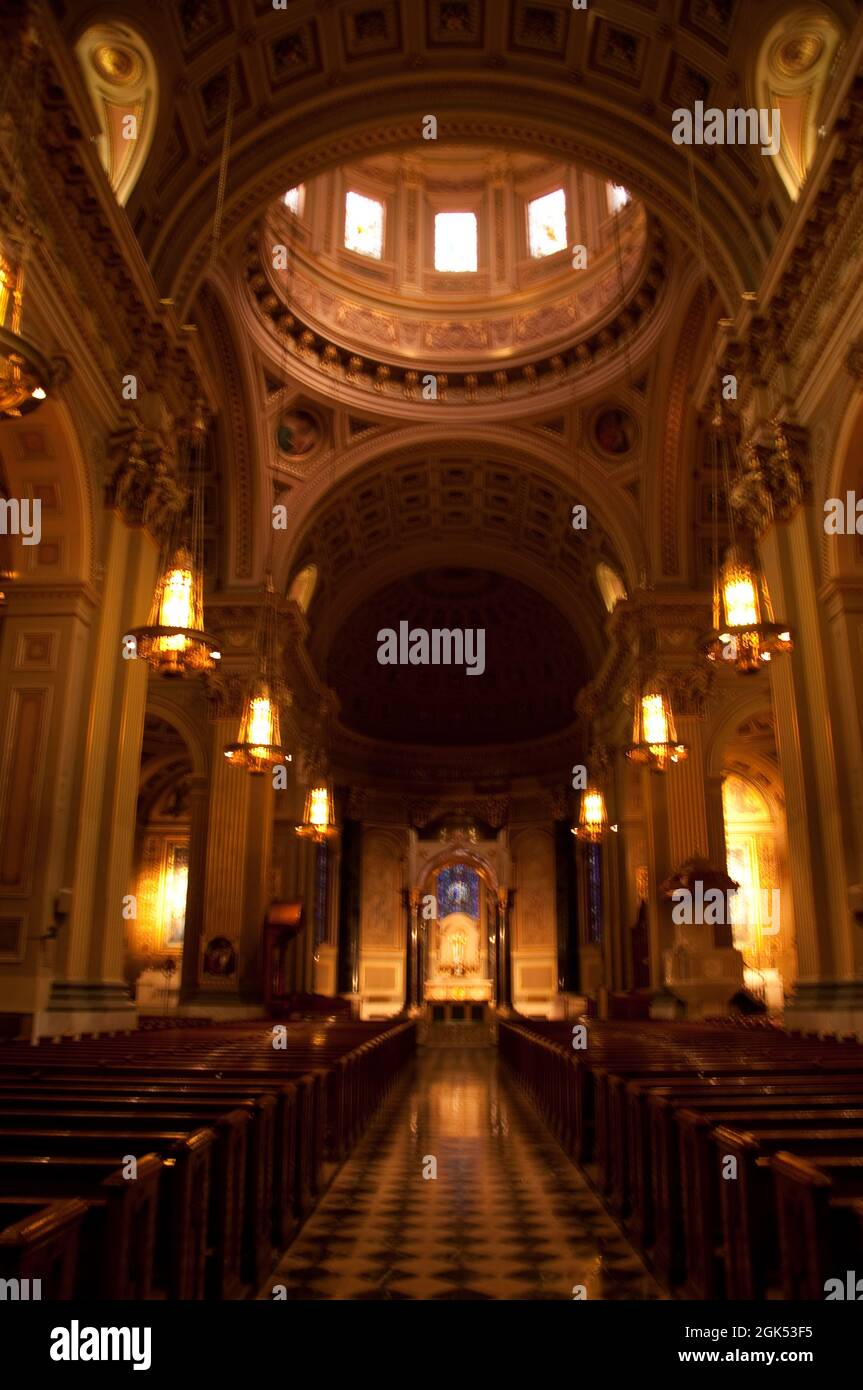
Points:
x=121 y=78
x=740 y=706
x=163 y=707
x=43 y=459
x=538 y=455
x=455 y=853
x=292 y=147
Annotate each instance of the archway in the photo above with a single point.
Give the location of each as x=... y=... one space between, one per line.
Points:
x=756 y=857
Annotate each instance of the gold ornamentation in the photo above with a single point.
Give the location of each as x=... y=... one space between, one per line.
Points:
x=120 y=66
x=798 y=55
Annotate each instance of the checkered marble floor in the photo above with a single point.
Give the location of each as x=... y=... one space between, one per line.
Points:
x=508 y=1216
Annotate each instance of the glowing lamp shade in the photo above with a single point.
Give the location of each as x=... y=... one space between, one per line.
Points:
x=740 y=597
x=318 y=814
x=654 y=736
x=744 y=631
x=592 y=817
x=174 y=642
x=259 y=746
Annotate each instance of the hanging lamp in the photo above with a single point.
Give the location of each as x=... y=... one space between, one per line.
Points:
x=592 y=816
x=744 y=629
x=259 y=745
x=654 y=737
x=592 y=813
x=319 y=817
x=174 y=642
x=654 y=734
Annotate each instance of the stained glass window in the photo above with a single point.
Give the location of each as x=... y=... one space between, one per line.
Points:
x=455 y=241
x=458 y=890
x=546 y=224
x=294 y=199
x=364 y=225
x=618 y=196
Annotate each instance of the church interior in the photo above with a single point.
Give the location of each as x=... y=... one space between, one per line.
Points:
x=431 y=649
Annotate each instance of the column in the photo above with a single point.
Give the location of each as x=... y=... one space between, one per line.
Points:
x=45 y=676
x=806 y=733
x=806 y=700
x=491 y=920
x=566 y=902
x=348 y=974
x=504 y=903
x=237 y=873
x=88 y=991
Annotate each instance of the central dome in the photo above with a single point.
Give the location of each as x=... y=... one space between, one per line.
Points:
x=447 y=256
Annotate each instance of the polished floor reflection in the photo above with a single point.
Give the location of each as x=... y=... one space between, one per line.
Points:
x=507 y=1217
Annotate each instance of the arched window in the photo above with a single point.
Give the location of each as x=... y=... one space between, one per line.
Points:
x=120 y=74
x=610 y=585
x=303 y=586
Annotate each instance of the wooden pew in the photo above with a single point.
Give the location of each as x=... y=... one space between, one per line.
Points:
x=274 y=1134
x=257 y=1164
x=683 y=1192
x=184 y=1214
x=309 y=1100
x=39 y=1241
x=748 y=1212
x=619 y=1110
x=651 y=1129
x=819 y=1212
x=117 y=1240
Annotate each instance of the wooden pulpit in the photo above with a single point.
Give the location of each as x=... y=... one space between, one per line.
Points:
x=283 y=922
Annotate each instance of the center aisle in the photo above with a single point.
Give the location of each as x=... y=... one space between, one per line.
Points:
x=507 y=1217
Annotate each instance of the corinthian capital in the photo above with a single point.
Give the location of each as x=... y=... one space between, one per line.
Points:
x=142 y=479
x=774 y=480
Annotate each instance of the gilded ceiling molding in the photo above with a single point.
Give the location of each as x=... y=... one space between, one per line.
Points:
x=459 y=772
x=567 y=365
x=96 y=245
x=781 y=344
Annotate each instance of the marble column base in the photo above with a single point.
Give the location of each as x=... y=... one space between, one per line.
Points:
x=82 y=1006
x=827 y=1006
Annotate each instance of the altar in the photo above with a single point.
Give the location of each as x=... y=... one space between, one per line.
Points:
x=457 y=976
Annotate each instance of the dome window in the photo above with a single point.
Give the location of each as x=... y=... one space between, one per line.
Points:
x=455 y=241
x=364 y=225
x=546 y=224
x=295 y=198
